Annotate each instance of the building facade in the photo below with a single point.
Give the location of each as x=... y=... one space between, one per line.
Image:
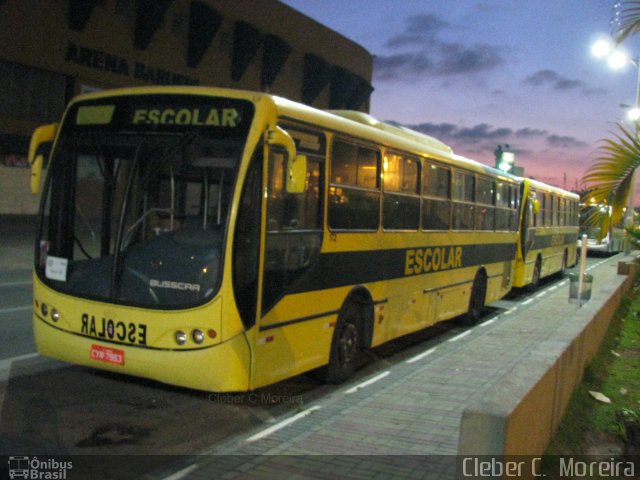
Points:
x=52 y=50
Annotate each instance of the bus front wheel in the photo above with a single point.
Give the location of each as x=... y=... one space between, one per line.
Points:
x=345 y=347
x=535 y=276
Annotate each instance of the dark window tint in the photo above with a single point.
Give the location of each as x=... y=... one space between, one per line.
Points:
x=436 y=187
x=353 y=209
x=436 y=181
x=401 y=212
x=354 y=196
x=401 y=204
x=436 y=214
x=463 y=216
x=464 y=187
x=463 y=195
x=354 y=165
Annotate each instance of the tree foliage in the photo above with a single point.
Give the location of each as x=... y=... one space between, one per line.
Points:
x=626 y=19
x=611 y=175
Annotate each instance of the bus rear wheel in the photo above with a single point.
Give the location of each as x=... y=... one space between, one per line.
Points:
x=563 y=267
x=345 y=348
x=476 y=301
x=535 y=276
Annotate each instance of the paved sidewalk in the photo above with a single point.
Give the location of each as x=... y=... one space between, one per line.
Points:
x=406 y=422
x=17 y=242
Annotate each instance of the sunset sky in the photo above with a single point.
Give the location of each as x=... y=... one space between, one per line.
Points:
x=478 y=73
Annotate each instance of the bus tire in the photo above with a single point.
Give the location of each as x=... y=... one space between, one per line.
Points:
x=476 y=300
x=535 y=276
x=345 y=346
x=563 y=267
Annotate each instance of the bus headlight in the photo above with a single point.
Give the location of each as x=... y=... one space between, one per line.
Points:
x=198 y=336
x=44 y=309
x=181 y=337
x=55 y=315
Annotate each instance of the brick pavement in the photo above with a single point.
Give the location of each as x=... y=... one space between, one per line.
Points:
x=406 y=424
x=17 y=242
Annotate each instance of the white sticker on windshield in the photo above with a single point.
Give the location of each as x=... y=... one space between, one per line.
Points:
x=56 y=268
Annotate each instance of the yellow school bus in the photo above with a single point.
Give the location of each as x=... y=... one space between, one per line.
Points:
x=548 y=233
x=224 y=240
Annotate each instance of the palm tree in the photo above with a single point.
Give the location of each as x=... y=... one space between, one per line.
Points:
x=611 y=175
x=625 y=20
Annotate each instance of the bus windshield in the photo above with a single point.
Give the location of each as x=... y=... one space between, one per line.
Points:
x=137 y=197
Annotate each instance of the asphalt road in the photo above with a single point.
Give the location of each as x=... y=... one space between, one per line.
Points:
x=50 y=407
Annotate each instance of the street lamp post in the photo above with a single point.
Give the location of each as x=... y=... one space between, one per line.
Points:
x=618 y=59
x=631 y=204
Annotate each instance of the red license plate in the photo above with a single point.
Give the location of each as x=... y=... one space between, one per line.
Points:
x=106 y=354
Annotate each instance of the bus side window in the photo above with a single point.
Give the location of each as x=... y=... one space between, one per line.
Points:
x=463 y=196
x=485 y=211
x=401 y=203
x=436 y=188
x=354 y=194
x=292 y=211
x=548 y=210
x=515 y=208
x=540 y=216
x=504 y=213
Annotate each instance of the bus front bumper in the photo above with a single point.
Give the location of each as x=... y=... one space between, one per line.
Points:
x=220 y=368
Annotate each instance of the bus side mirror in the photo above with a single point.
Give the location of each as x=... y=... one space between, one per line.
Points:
x=296 y=164
x=276 y=136
x=296 y=174
x=536 y=206
x=39 y=149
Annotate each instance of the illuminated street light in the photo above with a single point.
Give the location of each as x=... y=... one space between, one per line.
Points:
x=617 y=60
x=602 y=48
x=634 y=114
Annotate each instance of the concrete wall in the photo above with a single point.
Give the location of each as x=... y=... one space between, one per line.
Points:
x=520 y=414
x=15 y=198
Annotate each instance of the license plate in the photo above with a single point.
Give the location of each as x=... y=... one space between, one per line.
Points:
x=107 y=355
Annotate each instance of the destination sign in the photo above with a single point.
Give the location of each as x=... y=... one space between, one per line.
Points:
x=216 y=117
x=169 y=112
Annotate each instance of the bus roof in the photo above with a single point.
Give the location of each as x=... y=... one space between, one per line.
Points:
x=399 y=130
x=367 y=127
x=537 y=185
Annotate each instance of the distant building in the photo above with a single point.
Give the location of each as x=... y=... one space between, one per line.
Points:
x=52 y=50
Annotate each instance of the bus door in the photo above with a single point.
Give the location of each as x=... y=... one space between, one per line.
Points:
x=293 y=238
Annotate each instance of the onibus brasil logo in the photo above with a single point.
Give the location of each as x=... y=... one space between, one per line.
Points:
x=34 y=468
